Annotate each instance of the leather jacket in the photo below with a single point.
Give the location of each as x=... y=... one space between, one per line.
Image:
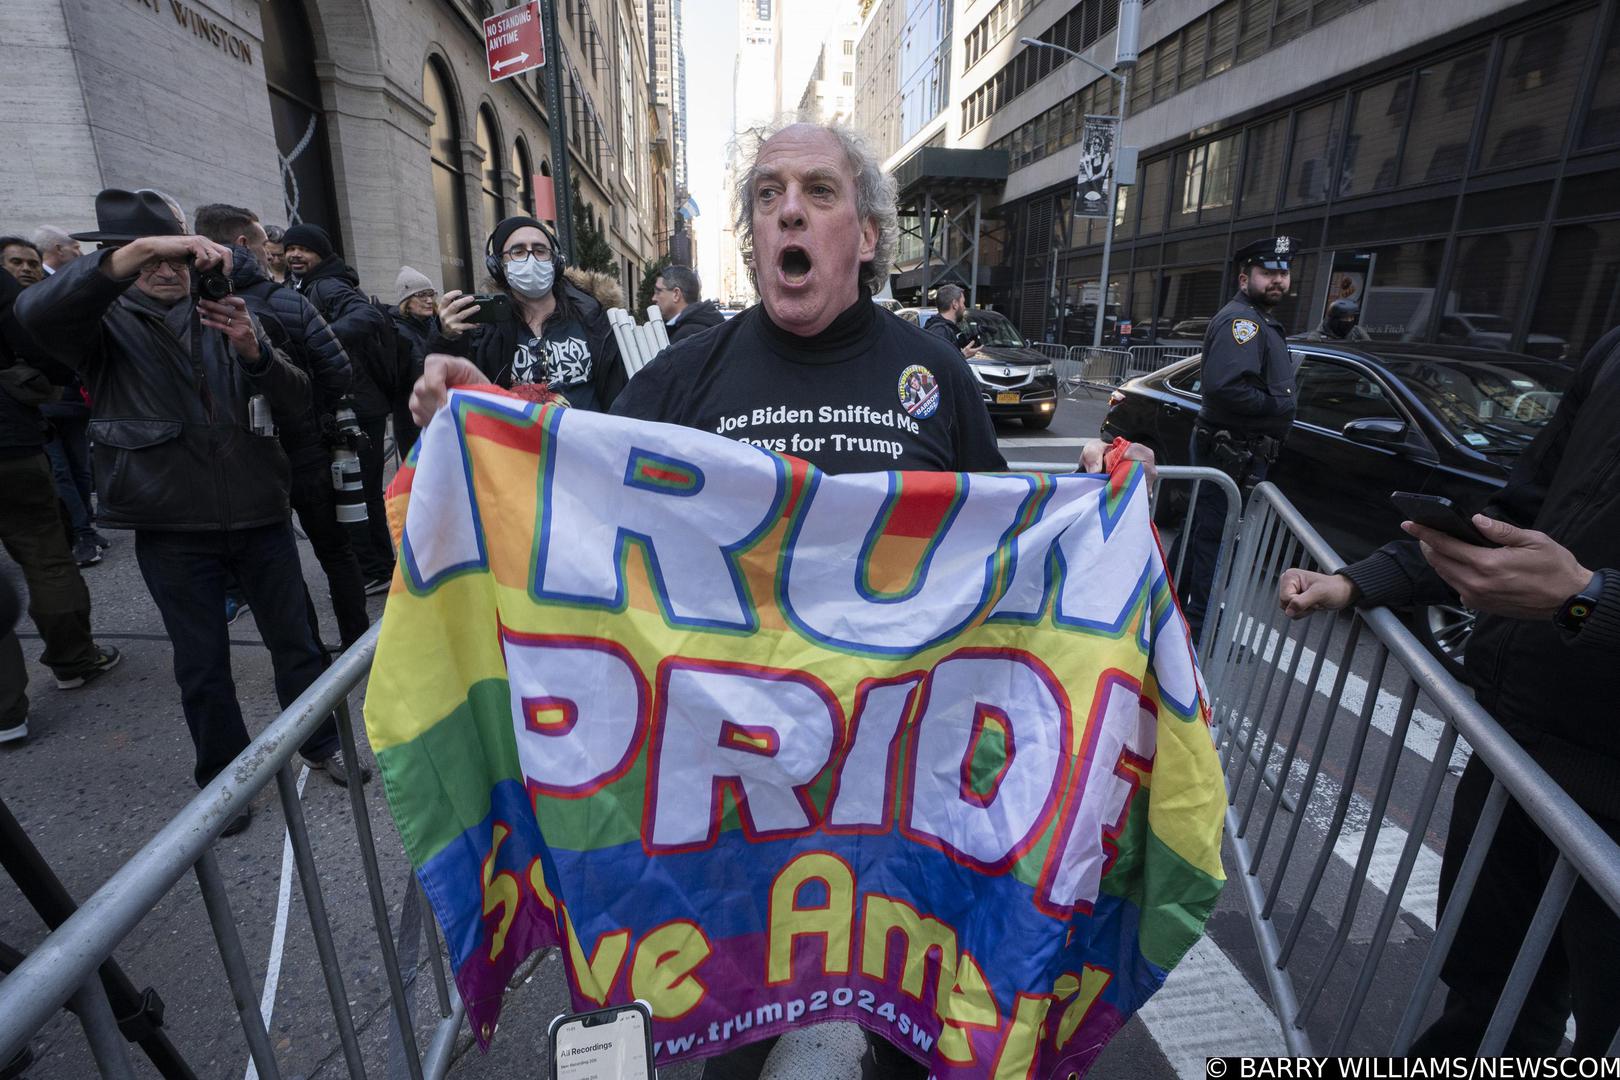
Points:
x=173 y=449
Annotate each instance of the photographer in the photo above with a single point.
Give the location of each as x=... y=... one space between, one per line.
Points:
x=950 y=303
x=367 y=335
x=555 y=335
x=297 y=329
x=174 y=375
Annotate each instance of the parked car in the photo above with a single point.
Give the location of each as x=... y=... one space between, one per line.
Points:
x=1441 y=420
x=1016 y=380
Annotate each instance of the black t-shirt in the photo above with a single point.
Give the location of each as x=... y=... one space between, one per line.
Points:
x=869 y=393
x=563 y=356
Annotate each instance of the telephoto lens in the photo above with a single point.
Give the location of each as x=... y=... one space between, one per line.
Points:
x=350 y=493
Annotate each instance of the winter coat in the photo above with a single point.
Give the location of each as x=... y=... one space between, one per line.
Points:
x=23 y=430
x=295 y=327
x=173 y=447
x=695 y=319
x=334 y=288
x=491 y=346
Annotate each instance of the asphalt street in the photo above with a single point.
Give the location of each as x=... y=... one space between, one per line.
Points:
x=107 y=764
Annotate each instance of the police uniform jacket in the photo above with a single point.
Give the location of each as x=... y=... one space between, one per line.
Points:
x=1248 y=378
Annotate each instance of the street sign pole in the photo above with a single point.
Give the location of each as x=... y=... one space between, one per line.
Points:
x=1108 y=227
x=557 y=113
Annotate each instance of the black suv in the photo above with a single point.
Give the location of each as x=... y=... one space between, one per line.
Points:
x=1015 y=380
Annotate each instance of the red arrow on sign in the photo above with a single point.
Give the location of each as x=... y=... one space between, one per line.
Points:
x=512 y=41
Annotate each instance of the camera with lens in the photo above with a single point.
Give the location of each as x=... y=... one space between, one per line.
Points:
x=348 y=441
x=210 y=284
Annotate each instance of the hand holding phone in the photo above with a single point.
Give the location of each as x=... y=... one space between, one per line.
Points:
x=614 y=1043
x=1440 y=514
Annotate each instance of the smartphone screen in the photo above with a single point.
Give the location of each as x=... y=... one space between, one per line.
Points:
x=609 y=1044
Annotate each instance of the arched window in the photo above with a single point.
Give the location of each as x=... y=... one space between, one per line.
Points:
x=525 y=175
x=494 y=201
x=295 y=112
x=449 y=196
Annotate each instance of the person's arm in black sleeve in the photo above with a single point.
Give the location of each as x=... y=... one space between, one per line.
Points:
x=282 y=382
x=355 y=320
x=607 y=364
x=66 y=308
x=464 y=346
x=1234 y=374
x=329 y=361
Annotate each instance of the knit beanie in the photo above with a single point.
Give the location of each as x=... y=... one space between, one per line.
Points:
x=410 y=282
x=312 y=237
x=503 y=232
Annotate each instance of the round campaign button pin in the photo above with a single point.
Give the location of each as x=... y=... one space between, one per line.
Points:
x=919 y=392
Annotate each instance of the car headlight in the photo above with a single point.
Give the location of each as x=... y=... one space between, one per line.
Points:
x=1044 y=371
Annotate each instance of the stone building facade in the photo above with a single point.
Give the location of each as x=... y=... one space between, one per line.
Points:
x=375 y=118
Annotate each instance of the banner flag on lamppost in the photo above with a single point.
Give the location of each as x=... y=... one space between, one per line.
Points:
x=1097 y=144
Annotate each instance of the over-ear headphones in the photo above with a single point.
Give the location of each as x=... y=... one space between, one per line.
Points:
x=497 y=269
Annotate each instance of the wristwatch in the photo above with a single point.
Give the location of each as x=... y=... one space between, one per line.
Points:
x=1574 y=612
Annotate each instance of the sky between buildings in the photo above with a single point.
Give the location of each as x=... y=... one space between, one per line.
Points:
x=709 y=31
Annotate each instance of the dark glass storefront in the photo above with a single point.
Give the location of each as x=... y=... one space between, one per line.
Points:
x=1469 y=196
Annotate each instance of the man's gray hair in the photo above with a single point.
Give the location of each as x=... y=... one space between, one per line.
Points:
x=685 y=279
x=47 y=236
x=947 y=296
x=874 y=192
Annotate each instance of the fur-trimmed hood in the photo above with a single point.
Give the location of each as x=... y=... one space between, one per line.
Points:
x=607 y=292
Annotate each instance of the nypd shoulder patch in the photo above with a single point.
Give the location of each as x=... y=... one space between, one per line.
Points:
x=1243 y=330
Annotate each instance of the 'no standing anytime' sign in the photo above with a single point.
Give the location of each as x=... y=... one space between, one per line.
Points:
x=512 y=41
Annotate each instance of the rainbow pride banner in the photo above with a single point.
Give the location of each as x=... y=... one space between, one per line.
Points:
x=766 y=747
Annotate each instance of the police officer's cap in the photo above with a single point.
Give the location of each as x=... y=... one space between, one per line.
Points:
x=1273 y=253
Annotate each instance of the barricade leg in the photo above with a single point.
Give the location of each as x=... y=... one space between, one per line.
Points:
x=107 y=1046
x=1369 y=840
x=319 y=924
x=374 y=889
x=1392 y=899
x=1542 y=928
x=1313 y=773
x=245 y=996
x=1342 y=808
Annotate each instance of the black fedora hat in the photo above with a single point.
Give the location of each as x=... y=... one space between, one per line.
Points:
x=122 y=216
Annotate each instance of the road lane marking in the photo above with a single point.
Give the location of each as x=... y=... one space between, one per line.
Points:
x=278 y=937
x=1055 y=442
x=1207 y=984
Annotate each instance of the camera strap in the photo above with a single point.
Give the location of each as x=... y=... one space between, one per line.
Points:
x=198 y=371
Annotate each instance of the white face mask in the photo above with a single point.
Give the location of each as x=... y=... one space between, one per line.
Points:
x=530 y=277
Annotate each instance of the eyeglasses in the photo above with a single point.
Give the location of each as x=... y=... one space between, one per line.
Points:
x=661 y=288
x=513 y=253
x=152 y=266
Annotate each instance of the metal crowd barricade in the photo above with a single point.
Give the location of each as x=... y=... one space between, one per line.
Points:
x=1305 y=739
x=1051 y=350
x=63 y=970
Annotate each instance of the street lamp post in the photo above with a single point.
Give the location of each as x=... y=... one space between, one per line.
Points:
x=1125 y=56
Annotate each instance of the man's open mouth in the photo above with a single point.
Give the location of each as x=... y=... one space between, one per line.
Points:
x=795 y=264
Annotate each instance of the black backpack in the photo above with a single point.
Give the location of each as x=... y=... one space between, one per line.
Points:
x=383 y=365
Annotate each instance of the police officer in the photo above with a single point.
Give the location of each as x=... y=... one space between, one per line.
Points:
x=1248 y=392
x=1342 y=322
